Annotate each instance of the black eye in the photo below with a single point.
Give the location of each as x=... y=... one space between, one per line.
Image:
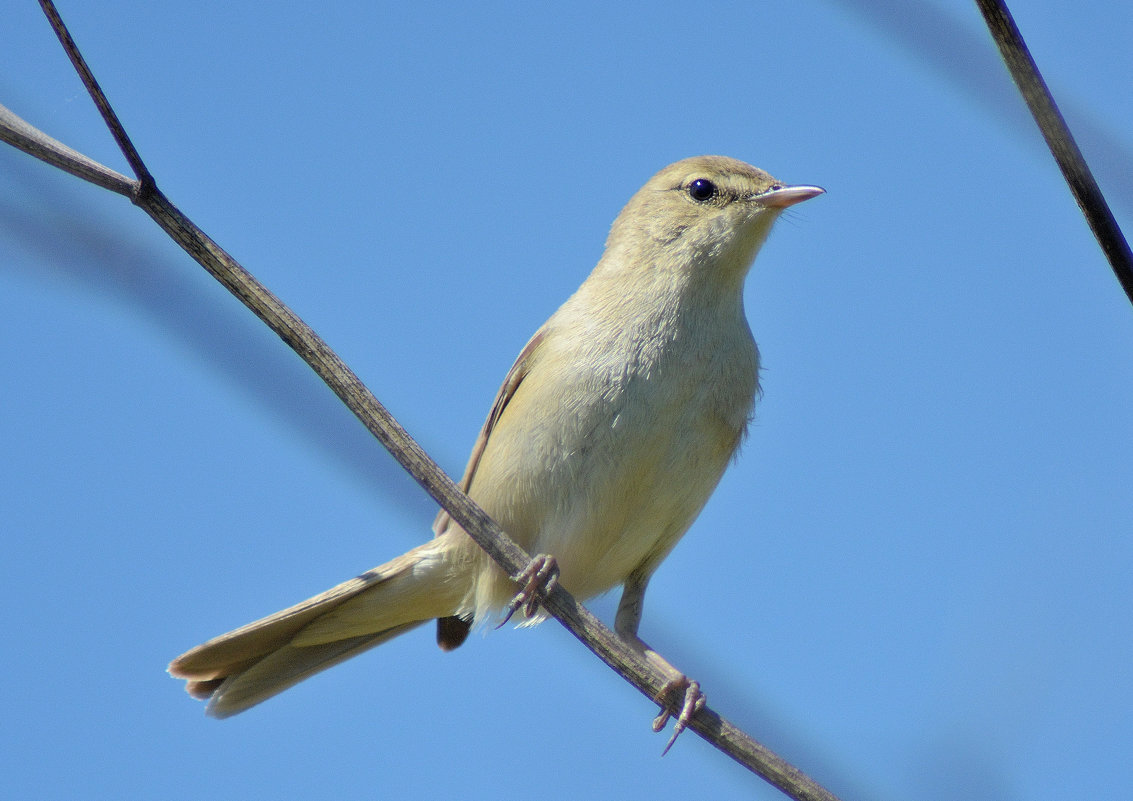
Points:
x=701 y=190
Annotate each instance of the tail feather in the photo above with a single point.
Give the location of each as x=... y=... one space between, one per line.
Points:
x=240 y=669
x=286 y=667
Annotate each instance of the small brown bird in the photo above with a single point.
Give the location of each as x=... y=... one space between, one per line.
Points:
x=608 y=435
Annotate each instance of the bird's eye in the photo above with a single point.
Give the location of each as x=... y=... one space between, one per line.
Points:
x=701 y=190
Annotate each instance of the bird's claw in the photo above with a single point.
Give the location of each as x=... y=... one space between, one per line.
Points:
x=693 y=700
x=538 y=578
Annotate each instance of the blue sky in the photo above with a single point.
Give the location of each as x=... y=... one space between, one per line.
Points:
x=915 y=582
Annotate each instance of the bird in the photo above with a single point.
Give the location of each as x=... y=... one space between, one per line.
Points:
x=605 y=441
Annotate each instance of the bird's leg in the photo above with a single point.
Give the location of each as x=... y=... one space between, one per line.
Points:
x=691 y=699
x=538 y=578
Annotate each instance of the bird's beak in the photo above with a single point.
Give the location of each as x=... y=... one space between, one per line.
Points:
x=788 y=196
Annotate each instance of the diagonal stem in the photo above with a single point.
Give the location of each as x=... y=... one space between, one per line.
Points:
x=109 y=117
x=1061 y=142
x=19 y=134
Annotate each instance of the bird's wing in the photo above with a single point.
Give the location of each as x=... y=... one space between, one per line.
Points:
x=514 y=378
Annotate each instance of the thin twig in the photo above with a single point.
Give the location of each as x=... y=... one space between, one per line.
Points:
x=1059 y=139
x=585 y=626
x=29 y=139
x=97 y=95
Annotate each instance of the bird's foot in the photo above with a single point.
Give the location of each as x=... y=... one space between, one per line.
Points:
x=538 y=579
x=690 y=701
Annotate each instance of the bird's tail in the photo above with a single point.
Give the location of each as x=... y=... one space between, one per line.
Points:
x=240 y=669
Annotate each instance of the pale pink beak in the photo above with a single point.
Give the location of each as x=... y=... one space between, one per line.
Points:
x=788 y=196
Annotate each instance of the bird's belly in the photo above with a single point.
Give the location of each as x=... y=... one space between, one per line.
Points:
x=631 y=513
x=611 y=491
